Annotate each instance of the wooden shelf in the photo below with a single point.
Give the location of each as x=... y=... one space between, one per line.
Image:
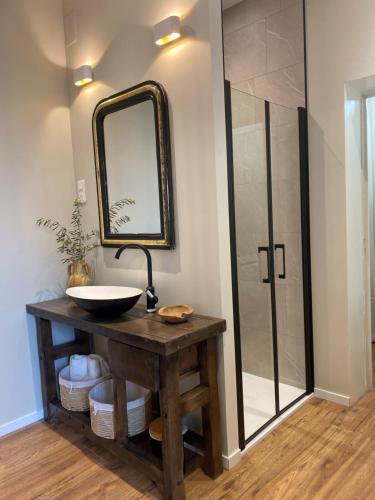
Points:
x=138 y=449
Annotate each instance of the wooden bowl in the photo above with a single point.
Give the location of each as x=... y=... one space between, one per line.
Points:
x=175 y=314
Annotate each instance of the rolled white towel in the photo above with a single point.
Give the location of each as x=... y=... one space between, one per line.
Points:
x=93 y=366
x=78 y=366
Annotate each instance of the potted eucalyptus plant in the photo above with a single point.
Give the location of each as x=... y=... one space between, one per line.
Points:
x=74 y=243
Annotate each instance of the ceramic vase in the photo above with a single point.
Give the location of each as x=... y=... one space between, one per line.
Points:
x=79 y=274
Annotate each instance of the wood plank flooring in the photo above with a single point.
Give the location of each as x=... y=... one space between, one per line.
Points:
x=323 y=451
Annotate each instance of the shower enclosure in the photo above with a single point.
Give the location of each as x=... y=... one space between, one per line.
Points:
x=269 y=221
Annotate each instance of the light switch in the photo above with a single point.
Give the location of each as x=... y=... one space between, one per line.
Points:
x=81 y=190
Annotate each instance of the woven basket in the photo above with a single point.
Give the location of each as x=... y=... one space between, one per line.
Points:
x=74 y=394
x=102 y=409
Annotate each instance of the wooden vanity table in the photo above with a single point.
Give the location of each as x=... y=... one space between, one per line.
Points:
x=155 y=355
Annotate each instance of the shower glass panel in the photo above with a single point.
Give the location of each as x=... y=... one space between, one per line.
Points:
x=285 y=161
x=270 y=257
x=251 y=221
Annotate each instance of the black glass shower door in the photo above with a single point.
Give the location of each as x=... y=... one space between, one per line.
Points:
x=287 y=234
x=270 y=271
x=251 y=204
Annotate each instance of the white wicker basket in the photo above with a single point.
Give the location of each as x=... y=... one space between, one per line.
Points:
x=74 y=394
x=102 y=409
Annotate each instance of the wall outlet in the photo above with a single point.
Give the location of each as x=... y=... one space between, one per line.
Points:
x=81 y=190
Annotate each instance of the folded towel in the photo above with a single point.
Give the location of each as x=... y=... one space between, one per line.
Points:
x=78 y=367
x=93 y=366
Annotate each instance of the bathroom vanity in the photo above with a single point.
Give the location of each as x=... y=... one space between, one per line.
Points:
x=155 y=355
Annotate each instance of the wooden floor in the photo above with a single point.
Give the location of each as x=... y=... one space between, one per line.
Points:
x=323 y=451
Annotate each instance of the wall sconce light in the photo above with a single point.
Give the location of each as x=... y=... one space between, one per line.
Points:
x=167 y=30
x=83 y=75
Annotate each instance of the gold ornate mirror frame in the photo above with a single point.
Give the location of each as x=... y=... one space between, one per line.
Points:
x=153 y=91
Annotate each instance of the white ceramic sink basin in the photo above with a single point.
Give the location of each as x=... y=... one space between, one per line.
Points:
x=105 y=300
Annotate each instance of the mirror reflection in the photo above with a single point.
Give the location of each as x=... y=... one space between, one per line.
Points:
x=132 y=170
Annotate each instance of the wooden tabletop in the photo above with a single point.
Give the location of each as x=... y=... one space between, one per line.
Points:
x=136 y=327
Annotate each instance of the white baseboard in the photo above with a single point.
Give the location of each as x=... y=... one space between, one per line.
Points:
x=18 y=423
x=276 y=423
x=233 y=459
x=340 y=399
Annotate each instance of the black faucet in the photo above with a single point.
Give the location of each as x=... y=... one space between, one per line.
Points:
x=150 y=290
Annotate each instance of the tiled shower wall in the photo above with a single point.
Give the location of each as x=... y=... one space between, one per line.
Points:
x=287 y=230
x=264 y=51
x=250 y=184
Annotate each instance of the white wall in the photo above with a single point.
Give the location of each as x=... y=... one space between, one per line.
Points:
x=118 y=41
x=340 y=50
x=36 y=167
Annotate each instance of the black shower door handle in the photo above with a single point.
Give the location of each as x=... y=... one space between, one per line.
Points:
x=281 y=246
x=266 y=249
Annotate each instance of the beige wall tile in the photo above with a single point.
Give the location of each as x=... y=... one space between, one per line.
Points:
x=256 y=310
x=251 y=207
x=282 y=116
x=294 y=307
x=293 y=256
x=288 y=3
x=282 y=82
x=249 y=155
x=289 y=208
x=243 y=109
x=248 y=12
x=284 y=147
x=290 y=331
x=245 y=52
x=257 y=355
x=248 y=267
x=291 y=353
x=246 y=86
x=285 y=87
x=284 y=32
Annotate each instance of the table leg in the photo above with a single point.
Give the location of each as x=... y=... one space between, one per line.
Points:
x=213 y=465
x=118 y=364
x=86 y=339
x=173 y=451
x=47 y=365
x=121 y=414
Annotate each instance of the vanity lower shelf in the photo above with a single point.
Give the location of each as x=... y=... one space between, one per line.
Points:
x=138 y=450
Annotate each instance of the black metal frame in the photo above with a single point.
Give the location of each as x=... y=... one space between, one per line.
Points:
x=272 y=258
x=146 y=91
x=306 y=257
x=233 y=253
x=306 y=247
x=306 y=266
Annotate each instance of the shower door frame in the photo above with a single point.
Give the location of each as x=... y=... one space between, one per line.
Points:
x=306 y=264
